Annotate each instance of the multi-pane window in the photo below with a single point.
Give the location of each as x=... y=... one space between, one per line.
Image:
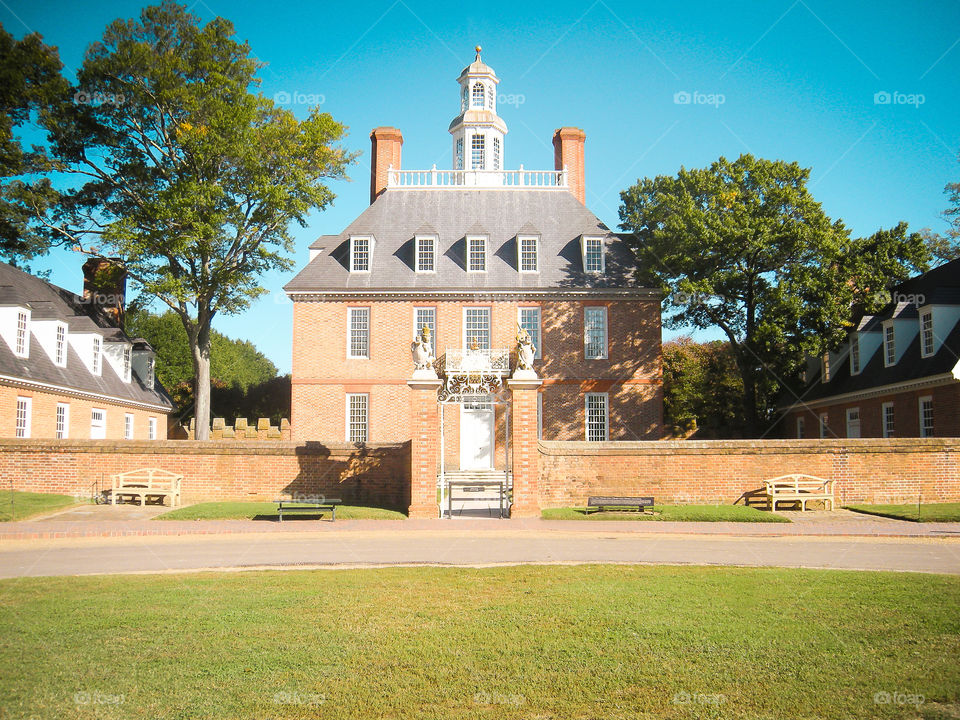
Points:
x=463 y=99
x=528 y=253
x=478 y=152
x=426 y=254
x=23 y=417
x=853 y=422
x=459 y=160
x=825 y=367
x=529 y=320
x=63 y=421
x=801 y=427
x=98 y=424
x=824 y=424
x=596 y=415
x=358 y=341
x=151 y=372
x=478 y=96
x=593 y=255
x=476 y=254
x=476 y=324
x=888 y=426
x=21 y=340
x=854 y=354
x=152 y=428
x=595 y=332
x=358 y=419
x=426 y=316
x=926 y=333
x=496 y=153
x=127 y=357
x=889 y=347
x=60 y=351
x=926 y=416
x=97 y=361
x=128 y=426
x=359 y=254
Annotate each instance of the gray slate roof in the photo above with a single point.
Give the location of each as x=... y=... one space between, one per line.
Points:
x=398 y=215
x=49 y=302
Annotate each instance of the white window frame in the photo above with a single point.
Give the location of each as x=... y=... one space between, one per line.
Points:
x=471 y=239
x=849 y=414
x=926 y=334
x=496 y=153
x=62 y=421
x=891 y=429
x=418 y=323
x=824 y=425
x=602 y=311
x=354 y=240
x=925 y=431
x=889 y=345
x=478 y=148
x=825 y=368
x=151 y=380
x=128 y=426
x=420 y=241
x=127 y=360
x=60 y=345
x=21 y=337
x=350 y=329
x=855 y=365
x=606 y=416
x=801 y=427
x=538 y=338
x=488 y=311
x=587 y=242
x=23 y=417
x=458 y=153
x=96 y=361
x=478 y=100
x=521 y=239
x=349 y=417
x=151 y=428
x=101 y=428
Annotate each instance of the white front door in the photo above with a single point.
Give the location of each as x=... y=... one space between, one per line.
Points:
x=476 y=436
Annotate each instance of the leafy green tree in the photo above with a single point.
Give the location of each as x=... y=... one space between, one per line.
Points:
x=30 y=82
x=702 y=389
x=744 y=247
x=190 y=176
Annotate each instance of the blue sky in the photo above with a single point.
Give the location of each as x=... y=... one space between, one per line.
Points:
x=801 y=80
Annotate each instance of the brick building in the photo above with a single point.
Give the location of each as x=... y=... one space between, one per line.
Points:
x=473 y=253
x=67 y=370
x=898 y=375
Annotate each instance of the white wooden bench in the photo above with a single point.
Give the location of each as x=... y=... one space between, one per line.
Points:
x=798 y=488
x=147 y=482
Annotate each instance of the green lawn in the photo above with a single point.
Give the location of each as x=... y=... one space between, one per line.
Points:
x=689 y=513
x=28 y=504
x=934 y=512
x=251 y=510
x=544 y=642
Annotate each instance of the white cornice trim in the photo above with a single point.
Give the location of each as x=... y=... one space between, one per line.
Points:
x=467 y=294
x=73 y=392
x=930 y=381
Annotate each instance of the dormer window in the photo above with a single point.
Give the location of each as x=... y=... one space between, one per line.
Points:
x=127 y=358
x=527 y=248
x=60 y=348
x=889 y=346
x=854 y=354
x=151 y=373
x=360 y=254
x=825 y=368
x=593 y=255
x=22 y=343
x=96 y=361
x=478 y=96
x=476 y=253
x=426 y=253
x=478 y=152
x=926 y=333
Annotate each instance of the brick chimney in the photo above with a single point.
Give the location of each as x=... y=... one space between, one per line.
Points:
x=385 y=144
x=105 y=288
x=568 y=151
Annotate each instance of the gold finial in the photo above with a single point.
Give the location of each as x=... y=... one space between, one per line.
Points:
x=478 y=48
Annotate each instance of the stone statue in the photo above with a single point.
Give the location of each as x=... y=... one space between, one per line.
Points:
x=422 y=352
x=526 y=352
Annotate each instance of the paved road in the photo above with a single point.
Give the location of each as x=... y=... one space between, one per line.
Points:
x=462 y=547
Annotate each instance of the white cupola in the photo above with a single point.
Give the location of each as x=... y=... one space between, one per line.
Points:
x=478 y=131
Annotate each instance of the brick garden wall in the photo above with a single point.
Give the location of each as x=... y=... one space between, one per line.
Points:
x=375 y=474
x=726 y=471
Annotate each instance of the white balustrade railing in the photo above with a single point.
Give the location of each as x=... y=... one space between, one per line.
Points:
x=460 y=360
x=514 y=179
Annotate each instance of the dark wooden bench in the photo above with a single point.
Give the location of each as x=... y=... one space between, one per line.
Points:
x=304 y=506
x=605 y=501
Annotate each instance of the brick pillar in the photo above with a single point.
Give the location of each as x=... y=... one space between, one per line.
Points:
x=385 y=145
x=424 y=447
x=526 y=454
x=568 y=145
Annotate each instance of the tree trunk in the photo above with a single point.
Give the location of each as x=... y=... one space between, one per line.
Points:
x=751 y=420
x=200 y=350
